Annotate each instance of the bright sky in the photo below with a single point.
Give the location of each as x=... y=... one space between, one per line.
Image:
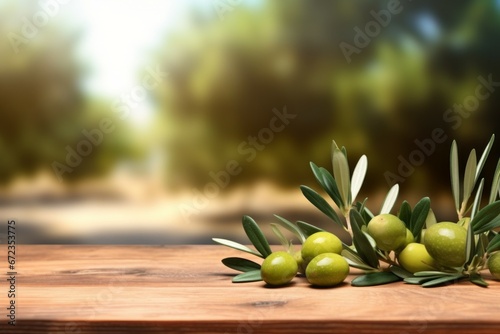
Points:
x=118 y=38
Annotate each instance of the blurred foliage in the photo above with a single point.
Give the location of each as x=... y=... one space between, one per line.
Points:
x=42 y=107
x=227 y=73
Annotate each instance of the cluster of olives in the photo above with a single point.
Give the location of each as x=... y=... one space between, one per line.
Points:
x=319 y=259
x=441 y=245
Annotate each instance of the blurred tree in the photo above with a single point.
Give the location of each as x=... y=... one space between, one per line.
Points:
x=227 y=74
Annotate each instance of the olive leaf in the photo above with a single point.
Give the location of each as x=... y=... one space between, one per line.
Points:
x=420 y=279
x=235 y=245
x=442 y=280
x=363 y=246
x=355 y=261
x=327 y=182
x=240 y=264
x=405 y=213
x=478 y=280
x=400 y=272
x=256 y=236
x=390 y=199
x=308 y=229
x=454 y=173
x=484 y=156
x=283 y=240
x=470 y=246
x=249 y=276
x=291 y=227
x=469 y=177
x=495 y=184
x=494 y=244
x=419 y=216
x=341 y=175
x=320 y=203
x=383 y=277
x=358 y=176
x=477 y=199
x=487 y=218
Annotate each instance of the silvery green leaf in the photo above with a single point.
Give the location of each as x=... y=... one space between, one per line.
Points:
x=484 y=156
x=383 y=277
x=478 y=280
x=327 y=182
x=404 y=213
x=486 y=217
x=419 y=216
x=494 y=244
x=283 y=240
x=477 y=199
x=442 y=280
x=320 y=203
x=341 y=175
x=420 y=279
x=256 y=236
x=291 y=227
x=358 y=176
x=361 y=242
x=236 y=245
x=355 y=261
x=433 y=273
x=492 y=224
x=431 y=219
x=401 y=272
x=249 y=276
x=470 y=246
x=454 y=173
x=390 y=199
x=240 y=264
x=495 y=184
x=469 y=177
x=308 y=229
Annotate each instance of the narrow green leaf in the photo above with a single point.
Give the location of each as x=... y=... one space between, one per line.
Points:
x=283 y=240
x=442 y=280
x=492 y=224
x=235 y=245
x=256 y=236
x=495 y=184
x=485 y=216
x=240 y=264
x=420 y=280
x=358 y=176
x=400 y=272
x=383 y=277
x=308 y=229
x=390 y=199
x=355 y=261
x=430 y=220
x=469 y=176
x=484 y=156
x=320 y=203
x=327 y=182
x=341 y=175
x=405 y=213
x=454 y=173
x=470 y=245
x=494 y=244
x=361 y=242
x=419 y=216
x=478 y=280
x=291 y=227
x=433 y=273
x=477 y=199
x=249 y=276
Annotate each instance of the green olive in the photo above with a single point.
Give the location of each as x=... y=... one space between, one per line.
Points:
x=388 y=231
x=327 y=269
x=319 y=243
x=446 y=242
x=494 y=265
x=279 y=268
x=415 y=257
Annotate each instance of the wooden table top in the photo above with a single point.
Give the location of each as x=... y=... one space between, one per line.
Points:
x=186 y=289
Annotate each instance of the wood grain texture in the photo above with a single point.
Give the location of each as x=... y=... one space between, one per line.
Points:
x=186 y=289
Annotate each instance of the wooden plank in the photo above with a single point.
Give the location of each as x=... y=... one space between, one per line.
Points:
x=186 y=289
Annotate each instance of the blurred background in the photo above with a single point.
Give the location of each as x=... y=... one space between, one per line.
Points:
x=166 y=121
